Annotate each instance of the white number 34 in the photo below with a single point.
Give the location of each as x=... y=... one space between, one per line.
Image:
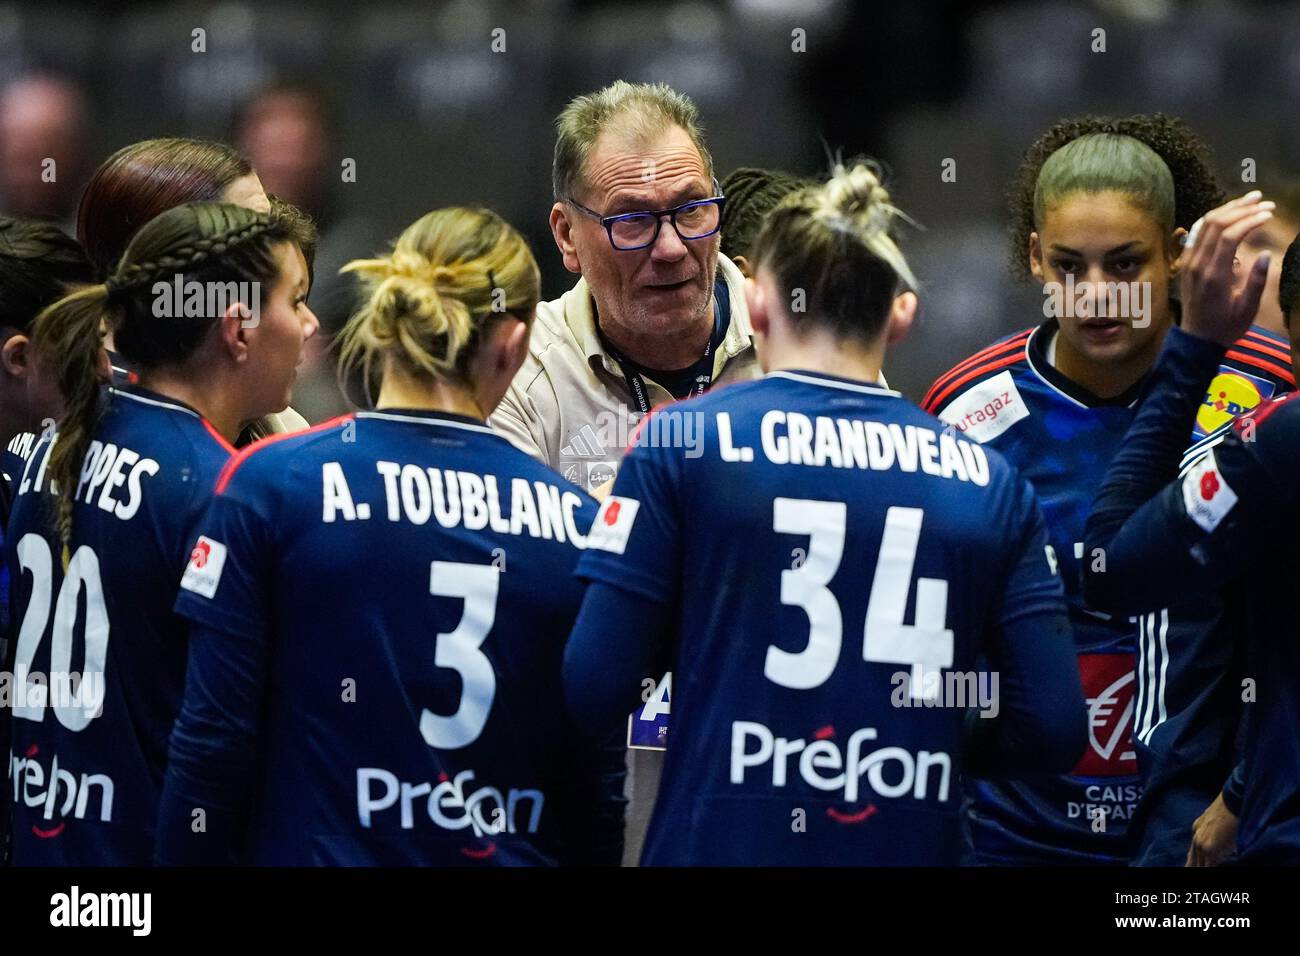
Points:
x=926 y=644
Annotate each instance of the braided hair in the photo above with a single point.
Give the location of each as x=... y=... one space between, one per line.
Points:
x=196 y=242
x=751 y=194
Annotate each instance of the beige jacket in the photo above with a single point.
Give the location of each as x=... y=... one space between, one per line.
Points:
x=569 y=405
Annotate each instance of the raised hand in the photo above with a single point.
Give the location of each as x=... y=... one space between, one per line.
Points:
x=1211 y=309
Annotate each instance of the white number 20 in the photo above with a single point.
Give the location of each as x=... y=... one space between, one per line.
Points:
x=83 y=572
x=925 y=644
x=460 y=650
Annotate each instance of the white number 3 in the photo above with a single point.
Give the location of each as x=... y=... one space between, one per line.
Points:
x=460 y=650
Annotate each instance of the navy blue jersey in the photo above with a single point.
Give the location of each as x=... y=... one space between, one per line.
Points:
x=1191 y=534
x=828 y=559
x=380 y=608
x=86 y=767
x=1062 y=438
x=14 y=458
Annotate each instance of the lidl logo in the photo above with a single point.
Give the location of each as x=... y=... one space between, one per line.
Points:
x=1232 y=393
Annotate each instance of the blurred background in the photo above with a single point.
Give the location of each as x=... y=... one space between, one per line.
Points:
x=415 y=95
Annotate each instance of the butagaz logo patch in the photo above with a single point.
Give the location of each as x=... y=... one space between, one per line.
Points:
x=988 y=409
x=1206 y=495
x=613 y=524
x=203 y=573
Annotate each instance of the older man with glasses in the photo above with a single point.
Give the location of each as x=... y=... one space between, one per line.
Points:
x=657 y=315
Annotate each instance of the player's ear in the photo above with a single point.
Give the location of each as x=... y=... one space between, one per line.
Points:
x=743 y=265
x=1176 y=253
x=513 y=346
x=756 y=302
x=16 y=355
x=902 y=313
x=562 y=231
x=1036 y=257
x=232 y=330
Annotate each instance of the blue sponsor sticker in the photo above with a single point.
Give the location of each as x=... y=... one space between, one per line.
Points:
x=647 y=727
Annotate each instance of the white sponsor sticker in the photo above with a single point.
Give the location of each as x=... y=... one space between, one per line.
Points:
x=1206 y=494
x=988 y=409
x=203 y=573
x=613 y=524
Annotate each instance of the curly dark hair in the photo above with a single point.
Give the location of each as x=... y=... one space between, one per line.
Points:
x=1288 y=286
x=1190 y=161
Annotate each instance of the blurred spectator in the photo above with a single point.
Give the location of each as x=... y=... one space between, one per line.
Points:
x=1273 y=237
x=42 y=117
x=287 y=133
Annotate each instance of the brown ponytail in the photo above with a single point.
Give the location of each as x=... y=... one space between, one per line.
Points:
x=71 y=331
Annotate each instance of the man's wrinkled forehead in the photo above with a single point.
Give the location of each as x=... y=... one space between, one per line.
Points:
x=632 y=168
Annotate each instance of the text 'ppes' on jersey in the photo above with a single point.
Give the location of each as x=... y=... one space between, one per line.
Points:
x=99 y=662
x=828 y=565
x=1156 y=722
x=380 y=607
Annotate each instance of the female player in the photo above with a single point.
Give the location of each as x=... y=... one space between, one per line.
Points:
x=104 y=516
x=751 y=194
x=1099 y=212
x=39 y=263
x=147 y=178
x=380 y=605
x=812 y=715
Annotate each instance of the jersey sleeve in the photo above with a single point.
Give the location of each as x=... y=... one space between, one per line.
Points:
x=1031 y=648
x=224 y=594
x=1033 y=581
x=1234 y=788
x=634 y=543
x=604 y=666
x=226 y=582
x=1150 y=542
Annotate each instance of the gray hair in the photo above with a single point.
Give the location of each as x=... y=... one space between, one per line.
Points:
x=641 y=109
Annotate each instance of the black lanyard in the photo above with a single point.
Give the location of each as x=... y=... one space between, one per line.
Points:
x=703 y=366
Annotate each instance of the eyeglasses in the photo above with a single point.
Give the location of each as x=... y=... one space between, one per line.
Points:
x=698 y=219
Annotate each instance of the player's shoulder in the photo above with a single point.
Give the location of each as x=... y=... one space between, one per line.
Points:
x=998 y=362
x=1277 y=418
x=267 y=460
x=991 y=391
x=158 y=427
x=1261 y=354
x=735 y=393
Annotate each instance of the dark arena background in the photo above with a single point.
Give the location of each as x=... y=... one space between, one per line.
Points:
x=912 y=203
